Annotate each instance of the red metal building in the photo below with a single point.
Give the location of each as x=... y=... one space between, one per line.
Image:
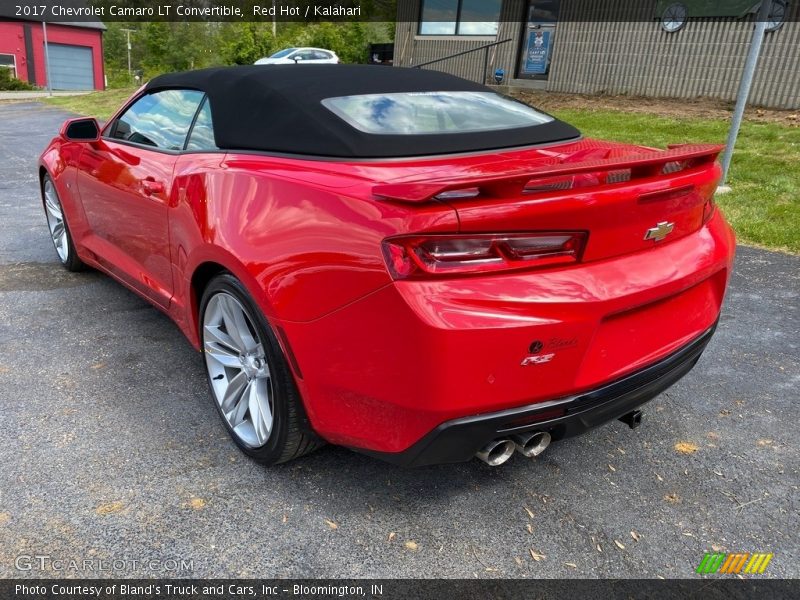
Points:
x=75 y=53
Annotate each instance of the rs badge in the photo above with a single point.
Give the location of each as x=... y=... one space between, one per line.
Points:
x=538 y=359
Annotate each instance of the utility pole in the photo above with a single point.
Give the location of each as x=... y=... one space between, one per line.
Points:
x=745 y=84
x=128 y=32
x=274 y=21
x=47 y=60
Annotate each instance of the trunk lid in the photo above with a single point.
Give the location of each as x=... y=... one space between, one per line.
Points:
x=628 y=198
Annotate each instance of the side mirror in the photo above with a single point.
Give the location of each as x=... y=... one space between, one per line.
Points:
x=296 y=58
x=81 y=130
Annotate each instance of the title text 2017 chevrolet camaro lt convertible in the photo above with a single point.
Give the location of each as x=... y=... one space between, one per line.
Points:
x=395 y=260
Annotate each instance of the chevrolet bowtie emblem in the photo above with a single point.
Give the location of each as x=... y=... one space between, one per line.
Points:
x=660 y=231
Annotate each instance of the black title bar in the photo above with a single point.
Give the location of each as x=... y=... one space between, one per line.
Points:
x=357 y=10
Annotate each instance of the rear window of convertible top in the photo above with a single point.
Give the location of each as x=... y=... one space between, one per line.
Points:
x=420 y=113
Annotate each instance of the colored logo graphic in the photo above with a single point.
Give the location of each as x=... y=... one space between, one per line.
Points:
x=734 y=563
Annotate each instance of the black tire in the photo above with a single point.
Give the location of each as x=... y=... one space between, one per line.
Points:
x=71 y=262
x=291 y=435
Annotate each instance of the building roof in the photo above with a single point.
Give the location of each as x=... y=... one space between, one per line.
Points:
x=82 y=24
x=278 y=108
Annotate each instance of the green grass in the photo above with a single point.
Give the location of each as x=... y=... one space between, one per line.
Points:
x=97 y=104
x=763 y=206
x=764 y=203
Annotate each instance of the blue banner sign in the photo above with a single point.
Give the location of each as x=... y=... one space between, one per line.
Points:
x=538 y=52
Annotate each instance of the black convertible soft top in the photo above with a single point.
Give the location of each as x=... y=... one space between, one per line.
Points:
x=278 y=108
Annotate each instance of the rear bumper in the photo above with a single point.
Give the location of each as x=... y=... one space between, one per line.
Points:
x=458 y=440
x=382 y=373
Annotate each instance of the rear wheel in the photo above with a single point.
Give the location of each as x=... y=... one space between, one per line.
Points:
x=59 y=230
x=250 y=382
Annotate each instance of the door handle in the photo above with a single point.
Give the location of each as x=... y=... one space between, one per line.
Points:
x=150 y=186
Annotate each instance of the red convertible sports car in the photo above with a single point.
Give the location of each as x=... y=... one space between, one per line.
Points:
x=396 y=260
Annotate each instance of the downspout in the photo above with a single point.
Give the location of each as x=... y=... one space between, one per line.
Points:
x=47 y=60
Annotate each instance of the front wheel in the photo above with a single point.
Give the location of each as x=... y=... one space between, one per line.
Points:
x=250 y=382
x=59 y=230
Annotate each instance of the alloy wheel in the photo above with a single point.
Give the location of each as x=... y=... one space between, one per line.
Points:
x=238 y=369
x=55 y=221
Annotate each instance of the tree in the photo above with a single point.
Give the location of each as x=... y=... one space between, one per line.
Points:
x=173 y=46
x=244 y=43
x=159 y=47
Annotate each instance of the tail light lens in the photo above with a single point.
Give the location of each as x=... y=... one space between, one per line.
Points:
x=421 y=256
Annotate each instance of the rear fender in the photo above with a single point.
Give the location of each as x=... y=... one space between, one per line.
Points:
x=186 y=303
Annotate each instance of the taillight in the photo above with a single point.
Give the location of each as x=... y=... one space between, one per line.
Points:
x=420 y=256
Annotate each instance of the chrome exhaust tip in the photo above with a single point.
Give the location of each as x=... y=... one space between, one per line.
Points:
x=496 y=452
x=532 y=444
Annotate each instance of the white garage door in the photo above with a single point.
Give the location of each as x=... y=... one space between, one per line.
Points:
x=71 y=67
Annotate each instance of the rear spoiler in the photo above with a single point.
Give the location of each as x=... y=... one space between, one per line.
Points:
x=624 y=168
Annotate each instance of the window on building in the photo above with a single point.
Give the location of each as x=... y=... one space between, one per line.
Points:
x=7 y=62
x=460 y=17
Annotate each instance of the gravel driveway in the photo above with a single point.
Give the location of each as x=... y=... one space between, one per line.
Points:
x=111 y=448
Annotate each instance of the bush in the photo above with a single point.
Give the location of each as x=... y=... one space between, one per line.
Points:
x=118 y=78
x=10 y=83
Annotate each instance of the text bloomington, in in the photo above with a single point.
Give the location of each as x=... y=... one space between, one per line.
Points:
x=171 y=10
x=192 y=590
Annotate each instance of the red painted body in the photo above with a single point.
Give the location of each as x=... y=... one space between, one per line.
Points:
x=380 y=362
x=12 y=41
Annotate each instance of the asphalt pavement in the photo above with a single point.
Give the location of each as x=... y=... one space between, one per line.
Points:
x=111 y=448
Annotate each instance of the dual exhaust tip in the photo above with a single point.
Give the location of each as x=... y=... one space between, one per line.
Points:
x=498 y=451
